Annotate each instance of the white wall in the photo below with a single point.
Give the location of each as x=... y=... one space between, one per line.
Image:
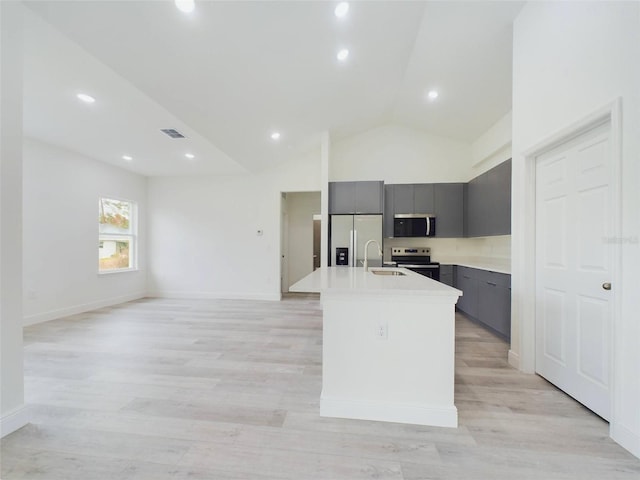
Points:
x=61 y=191
x=398 y=154
x=492 y=147
x=571 y=59
x=301 y=207
x=14 y=414
x=203 y=231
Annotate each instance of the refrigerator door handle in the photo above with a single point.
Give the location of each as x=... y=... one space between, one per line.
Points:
x=355 y=248
x=351 y=256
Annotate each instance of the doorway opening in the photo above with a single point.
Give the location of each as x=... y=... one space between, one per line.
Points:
x=300 y=236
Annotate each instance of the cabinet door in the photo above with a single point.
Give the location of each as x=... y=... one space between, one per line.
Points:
x=501 y=180
x=388 y=211
x=369 y=197
x=494 y=307
x=342 y=197
x=488 y=203
x=423 y=198
x=467 y=282
x=449 y=209
x=446 y=275
x=403 y=198
x=478 y=213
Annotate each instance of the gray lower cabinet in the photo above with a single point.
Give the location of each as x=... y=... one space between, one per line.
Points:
x=447 y=275
x=468 y=283
x=486 y=298
x=449 y=209
x=356 y=197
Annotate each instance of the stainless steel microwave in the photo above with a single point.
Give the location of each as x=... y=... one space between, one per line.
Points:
x=414 y=225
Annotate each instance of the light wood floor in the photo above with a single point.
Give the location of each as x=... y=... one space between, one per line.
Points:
x=176 y=389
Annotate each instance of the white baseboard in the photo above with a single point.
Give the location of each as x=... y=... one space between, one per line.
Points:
x=514 y=359
x=272 y=297
x=14 y=420
x=84 y=307
x=437 y=416
x=625 y=438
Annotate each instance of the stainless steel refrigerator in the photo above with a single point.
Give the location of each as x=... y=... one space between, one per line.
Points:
x=348 y=236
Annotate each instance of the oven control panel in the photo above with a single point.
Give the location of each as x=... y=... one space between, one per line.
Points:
x=404 y=251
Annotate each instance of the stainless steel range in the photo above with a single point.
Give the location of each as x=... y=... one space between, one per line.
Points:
x=417 y=260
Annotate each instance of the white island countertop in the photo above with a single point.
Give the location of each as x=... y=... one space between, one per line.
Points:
x=351 y=280
x=387 y=345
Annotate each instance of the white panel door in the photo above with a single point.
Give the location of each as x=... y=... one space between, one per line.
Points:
x=573 y=268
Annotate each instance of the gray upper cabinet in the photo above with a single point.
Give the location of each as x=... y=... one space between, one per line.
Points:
x=500 y=182
x=369 y=197
x=449 y=209
x=403 y=198
x=342 y=197
x=413 y=198
x=389 y=211
x=356 y=197
x=423 y=198
x=488 y=203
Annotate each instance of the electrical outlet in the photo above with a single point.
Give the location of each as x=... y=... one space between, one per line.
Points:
x=382 y=331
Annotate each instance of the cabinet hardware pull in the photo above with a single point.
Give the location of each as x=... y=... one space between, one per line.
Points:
x=491 y=283
x=606 y=286
x=466 y=277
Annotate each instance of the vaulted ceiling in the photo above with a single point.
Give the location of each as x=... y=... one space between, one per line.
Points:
x=229 y=74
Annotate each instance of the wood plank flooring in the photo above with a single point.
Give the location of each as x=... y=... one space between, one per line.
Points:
x=223 y=389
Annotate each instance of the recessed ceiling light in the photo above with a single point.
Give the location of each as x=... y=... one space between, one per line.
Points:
x=86 y=98
x=432 y=95
x=190 y=156
x=342 y=54
x=128 y=158
x=185 y=6
x=275 y=136
x=341 y=10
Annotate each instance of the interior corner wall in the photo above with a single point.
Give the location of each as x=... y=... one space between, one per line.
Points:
x=60 y=195
x=13 y=413
x=398 y=154
x=492 y=147
x=570 y=60
x=203 y=231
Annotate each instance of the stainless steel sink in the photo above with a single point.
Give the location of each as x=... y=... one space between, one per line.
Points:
x=395 y=273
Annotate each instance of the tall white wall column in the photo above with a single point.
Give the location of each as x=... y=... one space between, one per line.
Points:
x=13 y=410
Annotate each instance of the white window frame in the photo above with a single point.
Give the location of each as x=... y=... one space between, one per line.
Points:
x=132 y=236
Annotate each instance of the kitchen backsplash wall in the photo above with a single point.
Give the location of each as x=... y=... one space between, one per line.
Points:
x=497 y=247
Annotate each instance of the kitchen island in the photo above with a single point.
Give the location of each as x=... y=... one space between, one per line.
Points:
x=388 y=345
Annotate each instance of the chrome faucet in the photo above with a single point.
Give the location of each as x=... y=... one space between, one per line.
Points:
x=365 y=264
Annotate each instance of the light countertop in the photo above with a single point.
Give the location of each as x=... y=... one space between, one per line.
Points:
x=500 y=265
x=356 y=280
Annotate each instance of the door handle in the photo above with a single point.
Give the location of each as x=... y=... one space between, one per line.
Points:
x=606 y=285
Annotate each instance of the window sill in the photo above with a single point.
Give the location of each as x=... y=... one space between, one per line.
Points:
x=119 y=270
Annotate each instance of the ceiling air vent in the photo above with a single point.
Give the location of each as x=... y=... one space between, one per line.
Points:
x=172 y=132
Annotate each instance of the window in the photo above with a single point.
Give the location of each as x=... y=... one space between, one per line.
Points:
x=117 y=237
